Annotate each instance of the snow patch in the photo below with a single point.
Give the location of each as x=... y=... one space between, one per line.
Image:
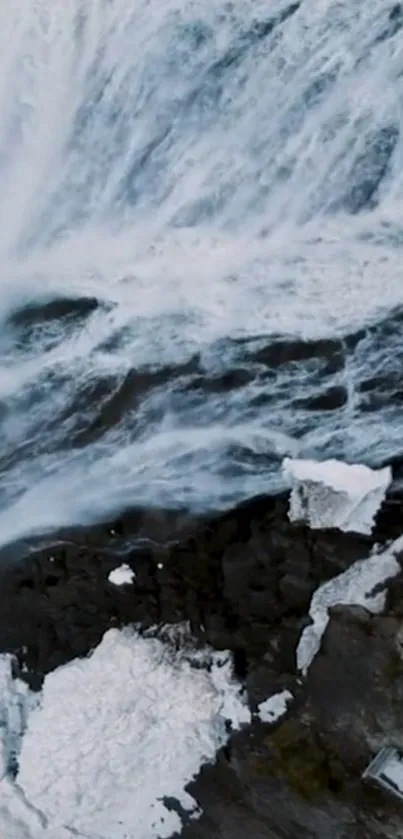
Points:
x=275 y=706
x=330 y=493
x=356 y=586
x=121 y=576
x=117 y=732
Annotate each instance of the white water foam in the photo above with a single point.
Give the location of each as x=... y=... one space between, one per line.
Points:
x=113 y=736
x=201 y=197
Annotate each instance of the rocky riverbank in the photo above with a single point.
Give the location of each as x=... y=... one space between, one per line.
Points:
x=243 y=581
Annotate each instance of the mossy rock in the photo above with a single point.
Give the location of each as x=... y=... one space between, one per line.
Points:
x=296 y=755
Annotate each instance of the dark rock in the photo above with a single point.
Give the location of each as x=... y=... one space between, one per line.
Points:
x=356 y=613
x=301 y=779
x=296 y=591
x=243 y=580
x=389 y=517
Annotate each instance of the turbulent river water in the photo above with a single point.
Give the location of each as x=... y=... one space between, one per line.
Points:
x=201 y=246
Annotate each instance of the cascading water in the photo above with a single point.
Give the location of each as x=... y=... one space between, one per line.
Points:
x=200 y=248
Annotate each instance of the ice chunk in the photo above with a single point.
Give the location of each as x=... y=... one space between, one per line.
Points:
x=330 y=493
x=118 y=731
x=121 y=576
x=386 y=771
x=275 y=706
x=354 y=586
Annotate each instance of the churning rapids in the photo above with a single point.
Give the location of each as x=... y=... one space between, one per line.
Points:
x=201 y=245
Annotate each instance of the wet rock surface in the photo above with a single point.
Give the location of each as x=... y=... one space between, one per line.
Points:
x=243 y=581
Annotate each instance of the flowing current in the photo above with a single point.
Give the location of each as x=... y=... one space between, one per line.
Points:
x=201 y=249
